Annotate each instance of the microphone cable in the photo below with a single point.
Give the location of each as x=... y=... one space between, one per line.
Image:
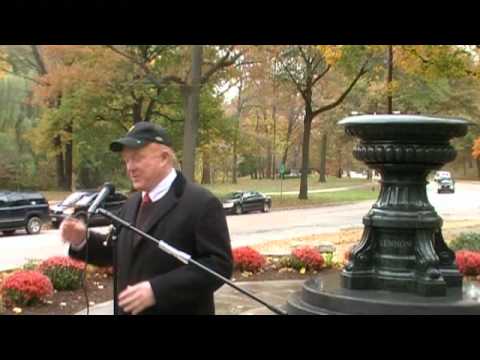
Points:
x=84 y=278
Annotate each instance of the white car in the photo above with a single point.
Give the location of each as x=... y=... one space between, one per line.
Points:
x=439 y=175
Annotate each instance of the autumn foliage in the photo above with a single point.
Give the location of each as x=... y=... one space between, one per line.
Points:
x=468 y=262
x=476 y=149
x=247 y=259
x=307 y=257
x=25 y=288
x=65 y=273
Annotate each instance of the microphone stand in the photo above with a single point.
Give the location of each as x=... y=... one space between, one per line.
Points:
x=183 y=257
x=115 y=268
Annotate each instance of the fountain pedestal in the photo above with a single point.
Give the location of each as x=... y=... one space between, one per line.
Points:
x=402 y=253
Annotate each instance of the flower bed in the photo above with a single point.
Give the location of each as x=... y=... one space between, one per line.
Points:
x=248 y=259
x=468 y=262
x=64 y=272
x=25 y=287
x=53 y=286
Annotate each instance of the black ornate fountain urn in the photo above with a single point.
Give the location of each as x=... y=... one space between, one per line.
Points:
x=401 y=264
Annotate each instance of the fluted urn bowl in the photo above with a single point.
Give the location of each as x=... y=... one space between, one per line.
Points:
x=402 y=250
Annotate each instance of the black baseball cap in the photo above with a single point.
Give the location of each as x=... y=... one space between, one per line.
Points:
x=141 y=134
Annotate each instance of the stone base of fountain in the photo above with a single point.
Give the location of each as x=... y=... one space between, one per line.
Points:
x=325 y=295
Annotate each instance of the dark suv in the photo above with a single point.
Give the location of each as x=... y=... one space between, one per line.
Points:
x=22 y=210
x=77 y=204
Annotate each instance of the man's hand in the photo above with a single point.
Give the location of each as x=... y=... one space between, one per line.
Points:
x=135 y=299
x=73 y=231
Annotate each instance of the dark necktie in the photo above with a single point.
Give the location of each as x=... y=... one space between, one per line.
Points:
x=144 y=211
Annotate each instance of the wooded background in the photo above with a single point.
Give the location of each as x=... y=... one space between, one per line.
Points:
x=232 y=111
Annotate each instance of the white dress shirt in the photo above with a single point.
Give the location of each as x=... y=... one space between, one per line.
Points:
x=156 y=194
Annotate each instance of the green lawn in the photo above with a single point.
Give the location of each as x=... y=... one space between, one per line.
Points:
x=271 y=186
x=317 y=199
x=55 y=195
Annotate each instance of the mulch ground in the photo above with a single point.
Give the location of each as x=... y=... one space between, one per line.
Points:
x=273 y=271
x=99 y=288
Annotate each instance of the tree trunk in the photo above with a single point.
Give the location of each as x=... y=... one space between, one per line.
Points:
x=206 y=179
x=137 y=110
x=307 y=126
x=340 y=160
x=69 y=160
x=57 y=144
x=269 y=161
x=234 y=160
x=274 y=159
x=389 y=79
x=237 y=131
x=323 y=159
x=192 y=94
x=291 y=120
x=478 y=167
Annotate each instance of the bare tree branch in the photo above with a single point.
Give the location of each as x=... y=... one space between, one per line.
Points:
x=299 y=88
x=39 y=82
x=304 y=56
x=362 y=72
x=224 y=62
x=319 y=76
x=229 y=87
x=169 y=118
x=41 y=68
x=158 y=82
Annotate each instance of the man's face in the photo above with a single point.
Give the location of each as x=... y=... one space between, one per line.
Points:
x=146 y=166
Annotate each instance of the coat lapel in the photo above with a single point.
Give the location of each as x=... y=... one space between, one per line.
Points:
x=161 y=208
x=125 y=241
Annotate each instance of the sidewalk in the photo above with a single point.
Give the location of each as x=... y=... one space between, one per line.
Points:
x=229 y=301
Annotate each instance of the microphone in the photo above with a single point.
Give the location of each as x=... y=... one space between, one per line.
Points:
x=107 y=189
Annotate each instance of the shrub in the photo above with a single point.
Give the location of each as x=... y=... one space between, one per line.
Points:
x=247 y=259
x=468 y=262
x=31 y=264
x=466 y=241
x=328 y=257
x=65 y=273
x=25 y=287
x=306 y=257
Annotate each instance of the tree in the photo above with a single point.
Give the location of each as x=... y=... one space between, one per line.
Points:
x=190 y=75
x=476 y=154
x=305 y=66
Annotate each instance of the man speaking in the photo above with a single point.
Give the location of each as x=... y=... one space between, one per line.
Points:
x=170 y=208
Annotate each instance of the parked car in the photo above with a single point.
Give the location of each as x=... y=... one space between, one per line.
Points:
x=22 y=210
x=240 y=202
x=439 y=175
x=77 y=204
x=446 y=185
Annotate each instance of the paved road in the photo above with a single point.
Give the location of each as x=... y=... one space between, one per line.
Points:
x=249 y=229
x=15 y=250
